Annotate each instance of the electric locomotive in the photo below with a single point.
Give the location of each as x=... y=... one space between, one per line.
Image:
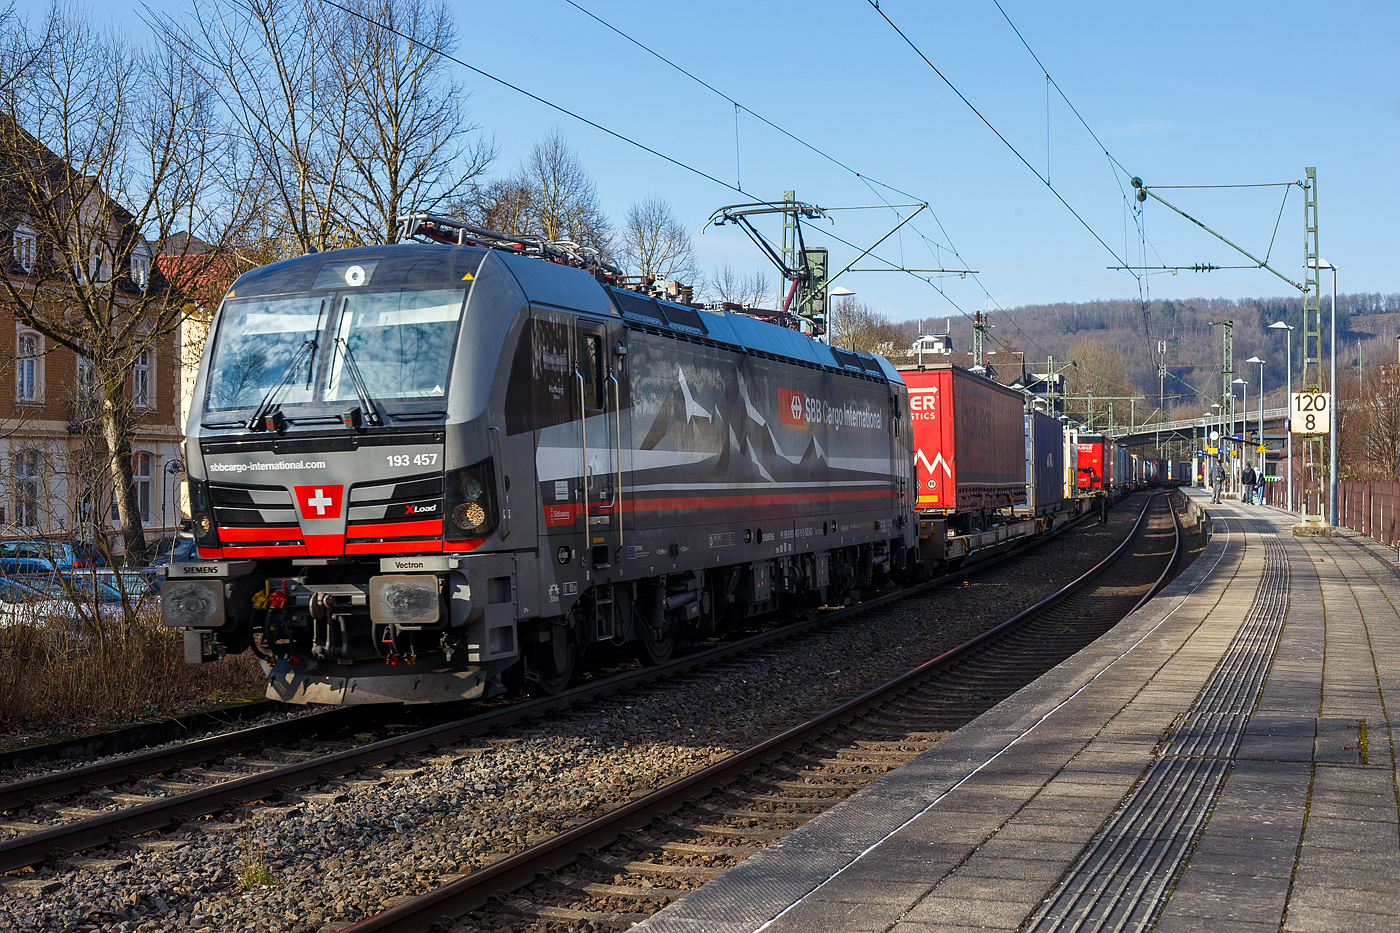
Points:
x=428 y=472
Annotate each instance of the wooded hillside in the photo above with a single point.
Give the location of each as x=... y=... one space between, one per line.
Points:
x=1367 y=327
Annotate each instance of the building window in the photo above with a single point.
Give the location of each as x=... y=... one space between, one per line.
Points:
x=26 y=248
x=27 y=367
x=141 y=380
x=28 y=467
x=141 y=473
x=140 y=271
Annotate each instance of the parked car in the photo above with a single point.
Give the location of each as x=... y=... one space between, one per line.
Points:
x=136 y=583
x=41 y=599
x=37 y=556
x=180 y=550
x=87 y=556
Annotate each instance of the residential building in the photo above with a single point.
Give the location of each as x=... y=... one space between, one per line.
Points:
x=55 y=480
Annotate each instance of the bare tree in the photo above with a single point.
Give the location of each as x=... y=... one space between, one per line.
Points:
x=550 y=196
x=854 y=325
x=729 y=284
x=105 y=147
x=564 y=201
x=408 y=147
x=655 y=243
x=1100 y=370
x=502 y=205
x=1368 y=425
x=267 y=62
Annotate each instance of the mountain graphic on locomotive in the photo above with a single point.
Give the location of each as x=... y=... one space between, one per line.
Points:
x=430 y=471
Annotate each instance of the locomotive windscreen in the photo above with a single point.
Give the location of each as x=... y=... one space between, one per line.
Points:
x=399 y=340
x=402 y=342
x=258 y=339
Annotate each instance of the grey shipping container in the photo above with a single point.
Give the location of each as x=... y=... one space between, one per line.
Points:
x=1045 y=464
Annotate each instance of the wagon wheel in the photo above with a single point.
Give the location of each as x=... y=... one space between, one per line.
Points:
x=652 y=651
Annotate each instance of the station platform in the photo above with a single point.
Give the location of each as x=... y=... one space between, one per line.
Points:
x=1222 y=761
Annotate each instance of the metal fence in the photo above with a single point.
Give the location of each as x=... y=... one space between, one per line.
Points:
x=1373 y=509
x=1370 y=508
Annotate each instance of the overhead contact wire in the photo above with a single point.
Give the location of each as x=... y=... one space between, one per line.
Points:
x=1016 y=152
x=535 y=97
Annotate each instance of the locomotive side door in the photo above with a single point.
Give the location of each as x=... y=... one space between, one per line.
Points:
x=600 y=392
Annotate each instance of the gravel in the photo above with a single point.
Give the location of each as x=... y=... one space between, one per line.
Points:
x=351 y=848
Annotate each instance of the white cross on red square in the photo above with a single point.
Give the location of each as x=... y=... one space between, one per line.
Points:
x=320 y=501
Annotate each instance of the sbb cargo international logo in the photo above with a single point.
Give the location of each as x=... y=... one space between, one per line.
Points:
x=792 y=408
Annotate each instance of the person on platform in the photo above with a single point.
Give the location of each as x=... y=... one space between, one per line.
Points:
x=1247 y=482
x=1217 y=480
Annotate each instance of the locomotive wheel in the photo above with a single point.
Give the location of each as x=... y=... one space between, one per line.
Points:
x=652 y=652
x=804 y=607
x=550 y=667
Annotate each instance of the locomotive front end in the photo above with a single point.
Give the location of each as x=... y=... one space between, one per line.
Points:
x=347 y=494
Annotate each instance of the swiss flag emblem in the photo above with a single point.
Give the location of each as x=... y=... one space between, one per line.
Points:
x=319 y=501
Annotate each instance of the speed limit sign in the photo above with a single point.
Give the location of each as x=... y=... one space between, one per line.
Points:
x=1308 y=412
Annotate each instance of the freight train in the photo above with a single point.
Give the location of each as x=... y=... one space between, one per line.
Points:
x=436 y=471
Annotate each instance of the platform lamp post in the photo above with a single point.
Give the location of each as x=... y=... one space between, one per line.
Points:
x=1218 y=417
x=1255 y=359
x=172 y=469
x=1204 y=421
x=1288 y=406
x=840 y=291
x=1244 y=422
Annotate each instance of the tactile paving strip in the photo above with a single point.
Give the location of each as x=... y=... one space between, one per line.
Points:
x=1121 y=881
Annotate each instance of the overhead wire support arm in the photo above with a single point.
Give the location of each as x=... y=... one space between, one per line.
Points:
x=1144 y=192
x=958 y=272
x=1194 y=267
x=872 y=246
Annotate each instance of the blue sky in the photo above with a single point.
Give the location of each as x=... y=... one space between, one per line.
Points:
x=1181 y=93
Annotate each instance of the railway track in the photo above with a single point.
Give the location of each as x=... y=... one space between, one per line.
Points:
x=621 y=867
x=68 y=812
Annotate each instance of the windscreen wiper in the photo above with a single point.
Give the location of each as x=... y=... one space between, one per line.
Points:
x=255 y=422
x=361 y=387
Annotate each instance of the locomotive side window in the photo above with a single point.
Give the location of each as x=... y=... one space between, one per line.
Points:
x=401 y=342
x=591 y=366
x=257 y=341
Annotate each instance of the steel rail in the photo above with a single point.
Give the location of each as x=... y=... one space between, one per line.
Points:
x=35 y=790
x=142 y=734
x=440 y=908
x=51 y=844
x=133 y=767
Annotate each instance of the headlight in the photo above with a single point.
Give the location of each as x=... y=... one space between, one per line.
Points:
x=471 y=501
x=201 y=514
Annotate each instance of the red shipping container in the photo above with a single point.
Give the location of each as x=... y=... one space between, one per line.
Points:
x=1091 y=471
x=969 y=439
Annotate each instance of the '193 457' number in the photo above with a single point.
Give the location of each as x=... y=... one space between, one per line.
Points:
x=403 y=460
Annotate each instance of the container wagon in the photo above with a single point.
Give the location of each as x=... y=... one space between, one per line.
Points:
x=1045 y=464
x=969 y=440
x=1093 y=465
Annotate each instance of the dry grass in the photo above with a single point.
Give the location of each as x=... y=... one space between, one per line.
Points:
x=50 y=674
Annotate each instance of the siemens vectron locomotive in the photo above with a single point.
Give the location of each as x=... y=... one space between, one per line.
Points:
x=422 y=472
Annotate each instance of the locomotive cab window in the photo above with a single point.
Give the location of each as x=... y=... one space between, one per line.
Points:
x=590 y=366
x=264 y=343
x=399 y=343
